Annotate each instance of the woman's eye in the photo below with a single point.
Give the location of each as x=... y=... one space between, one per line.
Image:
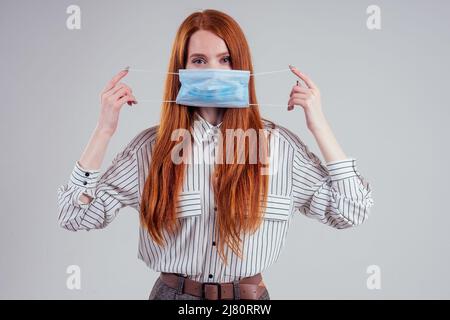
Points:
x=197 y=60
x=227 y=59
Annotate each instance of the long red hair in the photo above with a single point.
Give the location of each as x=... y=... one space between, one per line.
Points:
x=240 y=189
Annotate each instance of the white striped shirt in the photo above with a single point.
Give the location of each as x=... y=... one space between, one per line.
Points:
x=334 y=193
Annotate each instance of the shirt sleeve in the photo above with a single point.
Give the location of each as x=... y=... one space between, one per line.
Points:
x=334 y=193
x=115 y=188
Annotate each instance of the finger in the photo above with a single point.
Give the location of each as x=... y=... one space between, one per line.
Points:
x=304 y=77
x=309 y=82
x=300 y=96
x=112 y=91
x=128 y=99
x=134 y=101
x=297 y=89
x=290 y=104
x=115 y=80
x=118 y=87
x=296 y=101
x=299 y=84
x=119 y=94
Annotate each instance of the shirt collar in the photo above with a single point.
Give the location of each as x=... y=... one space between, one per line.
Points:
x=202 y=129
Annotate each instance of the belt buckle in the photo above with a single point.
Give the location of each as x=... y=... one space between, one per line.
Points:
x=211 y=283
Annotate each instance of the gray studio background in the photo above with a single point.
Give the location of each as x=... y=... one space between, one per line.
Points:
x=385 y=93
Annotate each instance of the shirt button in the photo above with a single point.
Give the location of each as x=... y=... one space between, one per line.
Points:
x=87 y=174
x=214 y=243
x=215 y=208
x=85 y=182
x=210 y=276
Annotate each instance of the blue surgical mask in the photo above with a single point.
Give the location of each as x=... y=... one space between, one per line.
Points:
x=221 y=88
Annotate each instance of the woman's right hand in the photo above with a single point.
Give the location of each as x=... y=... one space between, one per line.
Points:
x=113 y=97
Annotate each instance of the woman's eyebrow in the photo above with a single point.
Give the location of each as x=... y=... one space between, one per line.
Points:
x=202 y=55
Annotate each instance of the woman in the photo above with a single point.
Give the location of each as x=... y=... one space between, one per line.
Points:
x=212 y=228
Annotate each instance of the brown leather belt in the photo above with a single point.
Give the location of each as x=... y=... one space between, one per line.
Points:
x=250 y=288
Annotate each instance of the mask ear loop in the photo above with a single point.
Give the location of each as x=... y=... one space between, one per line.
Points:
x=251 y=74
x=176 y=73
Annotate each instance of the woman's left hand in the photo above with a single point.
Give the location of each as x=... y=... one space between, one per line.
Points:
x=308 y=98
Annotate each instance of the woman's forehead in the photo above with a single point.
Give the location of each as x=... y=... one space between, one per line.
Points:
x=207 y=43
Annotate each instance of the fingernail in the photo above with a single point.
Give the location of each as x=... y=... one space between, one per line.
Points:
x=126 y=68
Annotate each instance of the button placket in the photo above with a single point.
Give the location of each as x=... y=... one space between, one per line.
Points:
x=212 y=248
x=211 y=139
x=215 y=139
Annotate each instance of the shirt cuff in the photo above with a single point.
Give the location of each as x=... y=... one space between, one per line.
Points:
x=341 y=169
x=85 y=178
